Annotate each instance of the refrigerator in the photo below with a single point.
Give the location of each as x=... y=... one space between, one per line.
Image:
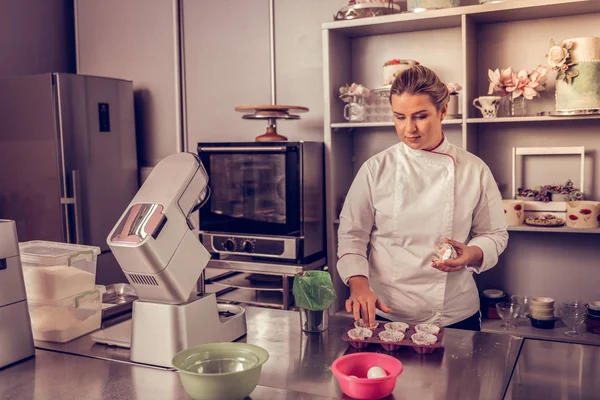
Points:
x=68 y=161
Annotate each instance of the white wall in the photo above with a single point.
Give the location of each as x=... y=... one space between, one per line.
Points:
x=36 y=36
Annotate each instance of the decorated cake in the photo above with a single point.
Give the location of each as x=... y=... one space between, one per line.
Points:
x=577 y=63
x=392 y=68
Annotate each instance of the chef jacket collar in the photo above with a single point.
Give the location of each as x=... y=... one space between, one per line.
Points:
x=440 y=150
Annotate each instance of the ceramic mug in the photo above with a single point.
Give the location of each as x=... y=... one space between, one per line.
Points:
x=514 y=212
x=355 y=112
x=488 y=105
x=582 y=214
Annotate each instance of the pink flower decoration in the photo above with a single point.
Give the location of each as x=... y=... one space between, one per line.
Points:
x=585 y=211
x=573 y=217
x=518 y=207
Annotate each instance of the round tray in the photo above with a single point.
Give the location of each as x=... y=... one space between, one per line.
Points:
x=271 y=107
x=267 y=116
x=571 y=113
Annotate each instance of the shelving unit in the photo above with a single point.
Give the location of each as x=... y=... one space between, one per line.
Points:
x=460 y=44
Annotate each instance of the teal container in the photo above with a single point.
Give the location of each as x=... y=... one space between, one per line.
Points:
x=421 y=5
x=224 y=371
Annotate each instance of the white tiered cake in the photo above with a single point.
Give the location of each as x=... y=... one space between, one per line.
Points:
x=578 y=78
x=392 y=68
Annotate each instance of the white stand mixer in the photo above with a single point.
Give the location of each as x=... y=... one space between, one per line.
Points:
x=159 y=251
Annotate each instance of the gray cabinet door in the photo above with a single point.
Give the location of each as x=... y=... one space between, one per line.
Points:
x=227 y=63
x=137 y=40
x=31 y=183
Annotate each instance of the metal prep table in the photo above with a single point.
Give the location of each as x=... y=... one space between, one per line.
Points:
x=473 y=365
x=553 y=370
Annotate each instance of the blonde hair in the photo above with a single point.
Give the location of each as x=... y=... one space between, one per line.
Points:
x=419 y=79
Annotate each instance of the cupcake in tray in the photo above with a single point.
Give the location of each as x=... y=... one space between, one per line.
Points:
x=359 y=336
x=428 y=328
x=390 y=339
x=361 y=324
x=424 y=341
x=396 y=326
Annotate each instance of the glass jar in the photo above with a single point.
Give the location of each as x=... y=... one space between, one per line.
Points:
x=515 y=107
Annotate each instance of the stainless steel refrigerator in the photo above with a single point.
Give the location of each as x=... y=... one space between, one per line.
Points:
x=68 y=163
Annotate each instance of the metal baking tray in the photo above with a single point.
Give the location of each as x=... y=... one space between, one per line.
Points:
x=118 y=299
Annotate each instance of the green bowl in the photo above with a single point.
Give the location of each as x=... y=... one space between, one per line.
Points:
x=224 y=371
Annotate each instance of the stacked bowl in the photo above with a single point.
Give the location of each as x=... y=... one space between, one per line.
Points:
x=542 y=312
x=592 y=317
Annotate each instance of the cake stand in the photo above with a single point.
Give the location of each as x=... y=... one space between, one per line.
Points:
x=271 y=113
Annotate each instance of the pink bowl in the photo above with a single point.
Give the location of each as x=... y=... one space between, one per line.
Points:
x=358 y=364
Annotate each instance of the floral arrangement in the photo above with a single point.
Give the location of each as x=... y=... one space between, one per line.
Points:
x=453 y=88
x=347 y=92
x=397 y=61
x=559 y=59
x=544 y=193
x=515 y=84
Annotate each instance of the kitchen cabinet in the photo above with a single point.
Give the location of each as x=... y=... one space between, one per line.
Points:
x=461 y=44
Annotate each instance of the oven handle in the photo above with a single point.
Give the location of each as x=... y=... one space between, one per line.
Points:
x=230 y=149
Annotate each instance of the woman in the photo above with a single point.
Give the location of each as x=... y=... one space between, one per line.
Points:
x=408 y=199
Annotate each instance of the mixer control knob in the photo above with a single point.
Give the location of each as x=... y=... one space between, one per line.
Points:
x=247 y=246
x=229 y=245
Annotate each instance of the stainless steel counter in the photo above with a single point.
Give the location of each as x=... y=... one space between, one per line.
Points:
x=58 y=376
x=551 y=370
x=472 y=365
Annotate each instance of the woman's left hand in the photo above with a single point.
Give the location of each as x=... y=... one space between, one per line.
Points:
x=467 y=255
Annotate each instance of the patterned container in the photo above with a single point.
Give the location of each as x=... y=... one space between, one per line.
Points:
x=421 y=5
x=582 y=214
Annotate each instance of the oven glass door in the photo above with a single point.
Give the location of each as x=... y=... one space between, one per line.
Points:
x=254 y=190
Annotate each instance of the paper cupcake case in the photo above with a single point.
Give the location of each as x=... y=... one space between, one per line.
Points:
x=393 y=346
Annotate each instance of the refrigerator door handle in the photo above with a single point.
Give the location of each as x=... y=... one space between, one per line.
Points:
x=76 y=202
x=65 y=201
x=77 y=206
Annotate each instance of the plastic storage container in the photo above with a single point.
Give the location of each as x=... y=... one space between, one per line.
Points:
x=54 y=270
x=66 y=319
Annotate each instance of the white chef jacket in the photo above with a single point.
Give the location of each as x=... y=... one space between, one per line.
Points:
x=402 y=203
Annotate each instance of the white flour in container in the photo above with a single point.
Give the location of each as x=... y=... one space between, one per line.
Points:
x=56 y=282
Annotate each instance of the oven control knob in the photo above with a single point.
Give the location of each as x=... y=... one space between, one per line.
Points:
x=247 y=246
x=229 y=245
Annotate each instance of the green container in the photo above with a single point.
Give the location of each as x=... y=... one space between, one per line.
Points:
x=224 y=371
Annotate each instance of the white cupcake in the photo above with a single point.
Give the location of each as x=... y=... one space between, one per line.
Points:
x=396 y=326
x=423 y=338
x=391 y=336
x=361 y=324
x=360 y=333
x=428 y=328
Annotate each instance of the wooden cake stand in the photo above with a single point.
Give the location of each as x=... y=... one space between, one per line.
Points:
x=271 y=113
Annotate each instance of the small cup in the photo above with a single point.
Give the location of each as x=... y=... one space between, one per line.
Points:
x=514 y=212
x=488 y=105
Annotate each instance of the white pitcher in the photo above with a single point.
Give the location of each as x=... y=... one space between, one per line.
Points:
x=488 y=105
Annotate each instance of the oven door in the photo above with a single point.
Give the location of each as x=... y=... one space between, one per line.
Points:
x=255 y=188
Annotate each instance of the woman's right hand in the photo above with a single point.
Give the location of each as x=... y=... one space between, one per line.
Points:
x=363 y=301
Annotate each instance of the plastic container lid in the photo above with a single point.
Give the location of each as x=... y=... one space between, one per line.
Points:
x=493 y=293
x=43 y=253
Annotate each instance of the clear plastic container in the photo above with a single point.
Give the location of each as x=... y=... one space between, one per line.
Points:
x=54 y=270
x=66 y=319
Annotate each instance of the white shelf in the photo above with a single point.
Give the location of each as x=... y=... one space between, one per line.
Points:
x=451 y=17
x=559 y=229
x=383 y=124
x=528 y=119
x=525 y=329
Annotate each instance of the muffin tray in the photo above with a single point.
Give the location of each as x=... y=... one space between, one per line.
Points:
x=393 y=346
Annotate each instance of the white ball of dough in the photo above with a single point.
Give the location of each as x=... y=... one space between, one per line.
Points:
x=376 y=372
